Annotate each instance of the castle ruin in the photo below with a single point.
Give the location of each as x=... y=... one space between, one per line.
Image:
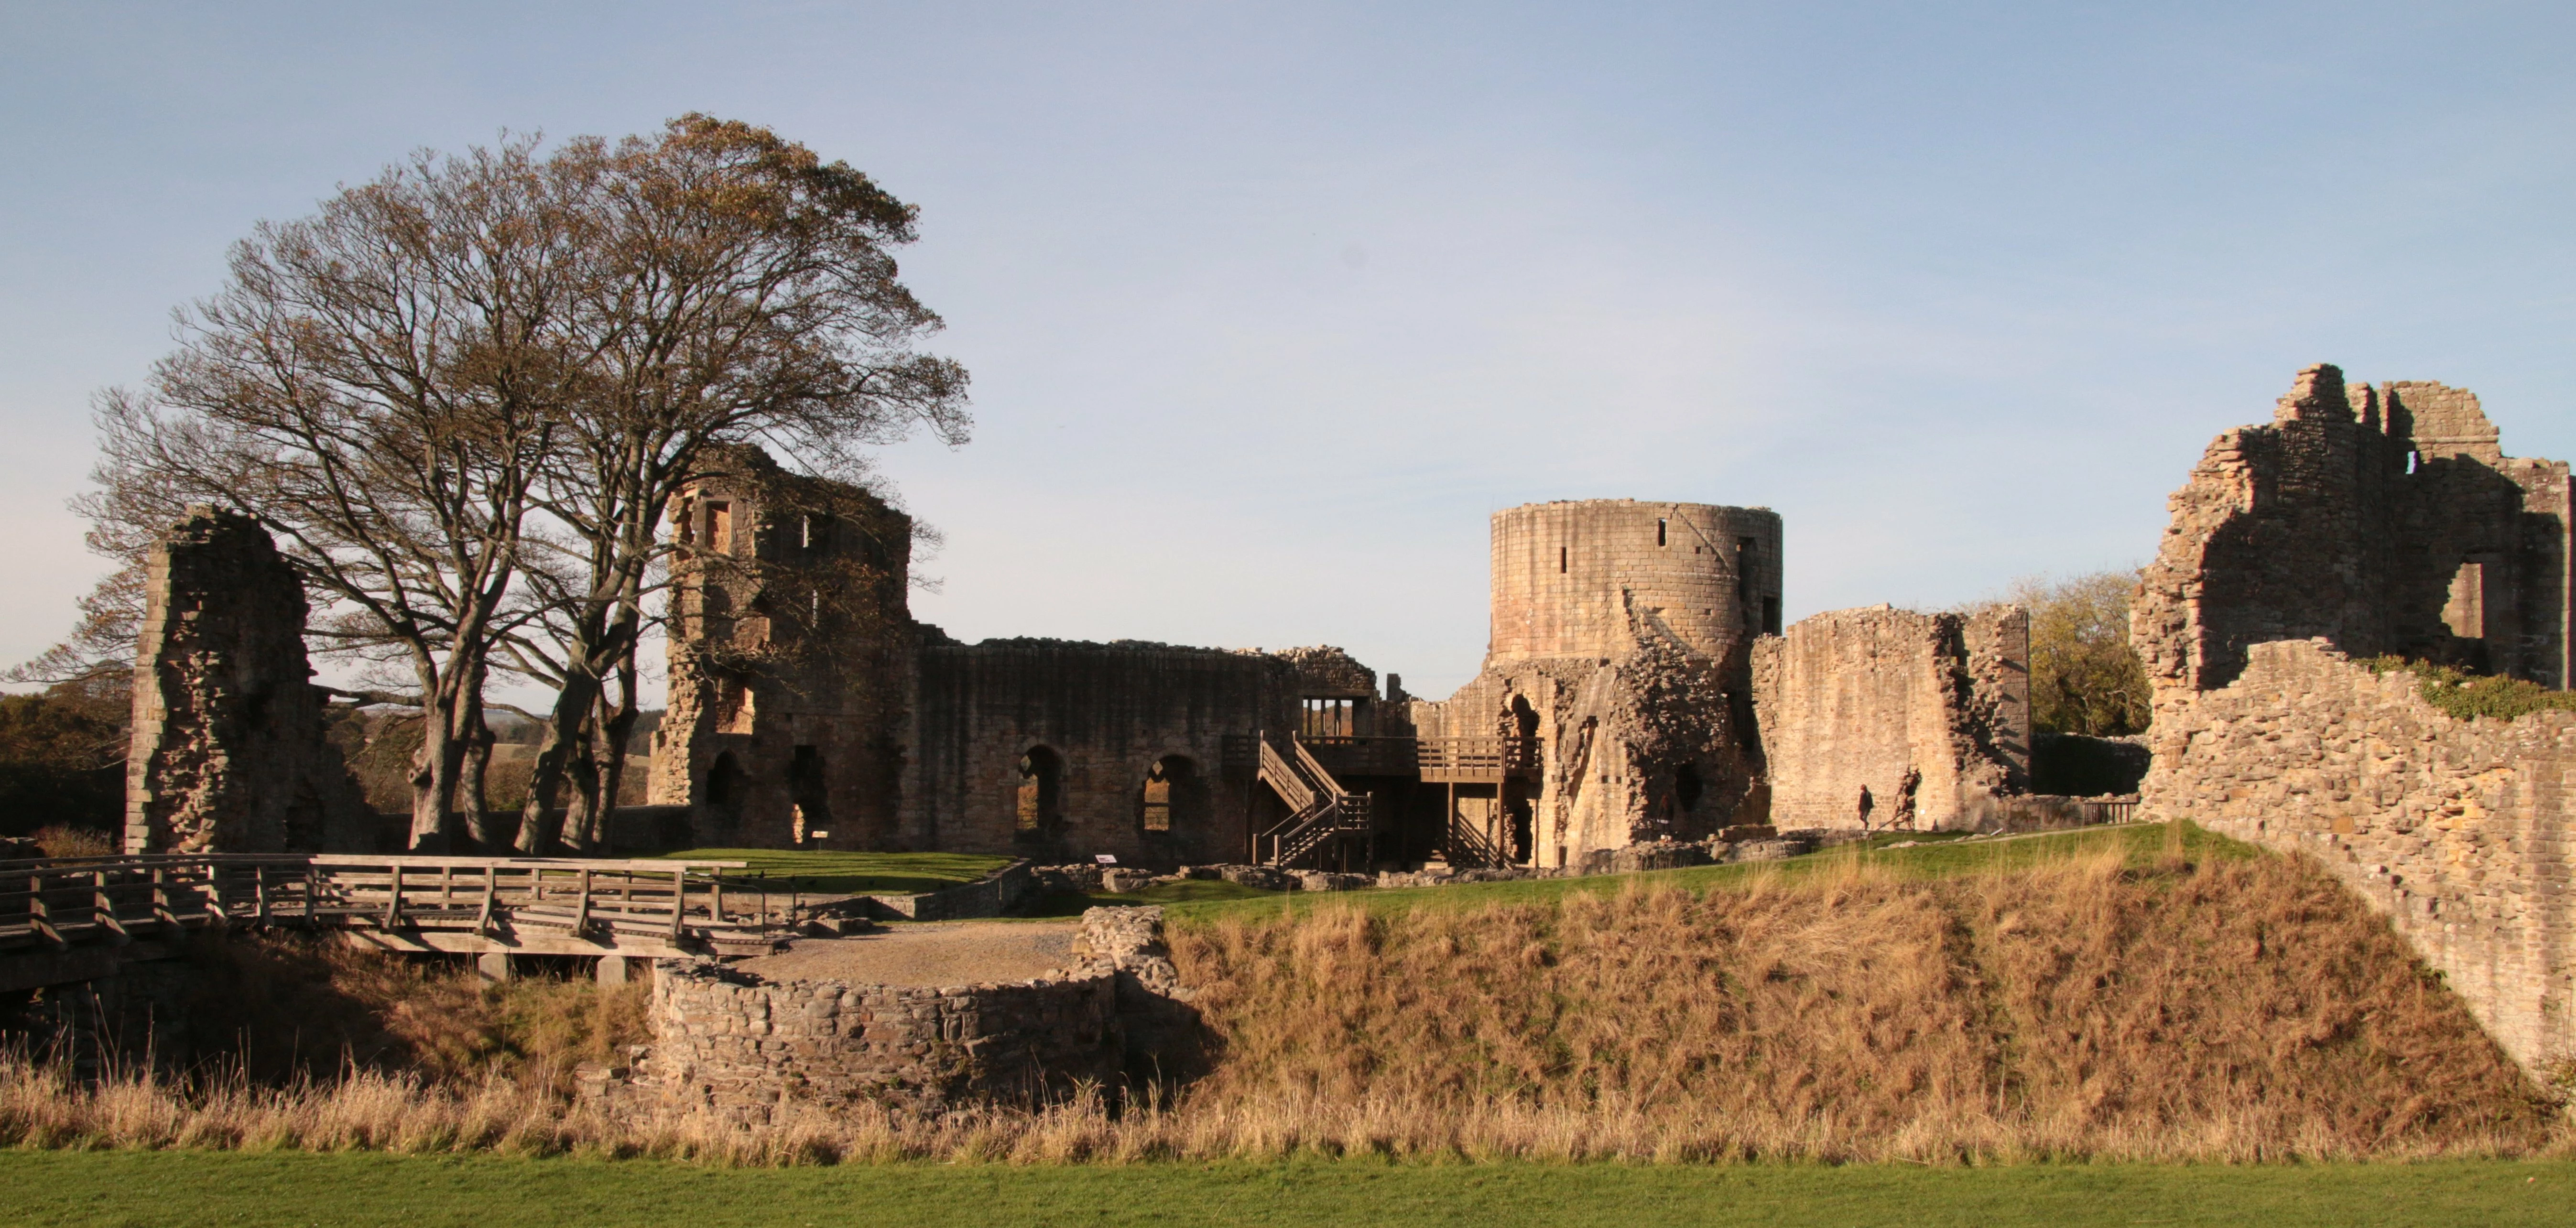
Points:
x=1618 y=703
x=2380 y=522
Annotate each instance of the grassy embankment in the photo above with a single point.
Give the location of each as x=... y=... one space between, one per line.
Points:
x=2129 y=994
x=136 y=1189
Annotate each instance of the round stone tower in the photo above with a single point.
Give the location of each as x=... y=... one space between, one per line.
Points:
x=1569 y=576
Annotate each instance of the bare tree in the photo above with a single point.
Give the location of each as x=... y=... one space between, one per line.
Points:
x=379 y=384
x=744 y=292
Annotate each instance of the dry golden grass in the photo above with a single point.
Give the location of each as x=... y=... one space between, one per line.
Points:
x=2241 y=1011
x=2247 y=1010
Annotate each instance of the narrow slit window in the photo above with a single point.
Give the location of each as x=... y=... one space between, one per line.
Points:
x=1560 y=560
x=1661 y=533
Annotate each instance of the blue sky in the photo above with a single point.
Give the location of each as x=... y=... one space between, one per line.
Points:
x=1269 y=306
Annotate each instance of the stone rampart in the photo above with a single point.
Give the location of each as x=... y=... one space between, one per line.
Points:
x=2457 y=830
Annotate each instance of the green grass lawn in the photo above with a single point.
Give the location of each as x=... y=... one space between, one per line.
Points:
x=852 y=873
x=1938 y=856
x=135 y=1189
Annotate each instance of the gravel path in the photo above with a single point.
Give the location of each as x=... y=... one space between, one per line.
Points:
x=947 y=953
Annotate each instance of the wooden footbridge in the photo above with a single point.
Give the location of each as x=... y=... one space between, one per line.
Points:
x=71 y=919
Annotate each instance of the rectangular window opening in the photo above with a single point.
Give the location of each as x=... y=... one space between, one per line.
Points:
x=1560 y=560
x=1660 y=531
x=720 y=527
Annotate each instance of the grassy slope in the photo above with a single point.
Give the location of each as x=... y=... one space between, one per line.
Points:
x=154 y=1188
x=2105 y=994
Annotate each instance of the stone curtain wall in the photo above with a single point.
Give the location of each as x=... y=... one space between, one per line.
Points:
x=1926 y=715
x=2457 y=830
x=229 y=752
x=1108 y=713
x=735 y=1045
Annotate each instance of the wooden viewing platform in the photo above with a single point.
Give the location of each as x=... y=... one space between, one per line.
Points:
x=63 y=919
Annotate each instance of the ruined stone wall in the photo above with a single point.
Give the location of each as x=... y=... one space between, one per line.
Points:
x=731 y=1043
x=229 y=752
x=1888 y=718
x=1570 y=578
x=1101 y=716
x=2386 y=520
x=2457 y=830
x=791 y=660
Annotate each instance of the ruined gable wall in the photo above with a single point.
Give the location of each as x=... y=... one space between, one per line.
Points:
x=2457 y=830
x=1110 y=712
x=792 y=630
x=1927 y=713
x=2385 y=520
x=229 y=752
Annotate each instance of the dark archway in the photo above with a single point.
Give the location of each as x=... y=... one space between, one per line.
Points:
x=728 y=789
x=812 y=798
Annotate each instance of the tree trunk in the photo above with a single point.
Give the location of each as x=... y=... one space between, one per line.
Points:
x=616 y=729
x=581 y=792
x=433 y=785
x=471 y=795
x=564 y=725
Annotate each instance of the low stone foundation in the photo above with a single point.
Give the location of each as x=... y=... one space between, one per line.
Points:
x=730 y=1043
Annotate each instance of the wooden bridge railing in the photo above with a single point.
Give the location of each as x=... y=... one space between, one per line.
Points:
x=57 y=903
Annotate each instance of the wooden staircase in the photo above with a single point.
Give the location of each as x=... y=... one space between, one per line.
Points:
x=1323 y=818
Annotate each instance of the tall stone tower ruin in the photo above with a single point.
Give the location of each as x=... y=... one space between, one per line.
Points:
x=1619 y=649
x=229 y=753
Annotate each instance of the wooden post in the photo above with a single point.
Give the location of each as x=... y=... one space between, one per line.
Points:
x=259 y=894
x=679 y=899
x=491 y=890
x=103 y=909
x=161 y=915
x=312 y=877
x=38 y=916
x=581 y=909
x=393 y=900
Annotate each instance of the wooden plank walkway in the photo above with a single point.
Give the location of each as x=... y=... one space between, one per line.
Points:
x=52 y=908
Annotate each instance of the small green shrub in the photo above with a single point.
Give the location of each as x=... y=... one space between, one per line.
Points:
x=2467 y=696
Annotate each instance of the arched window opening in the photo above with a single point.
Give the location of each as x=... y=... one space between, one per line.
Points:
x=1041 y=800
x=1175 y=797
